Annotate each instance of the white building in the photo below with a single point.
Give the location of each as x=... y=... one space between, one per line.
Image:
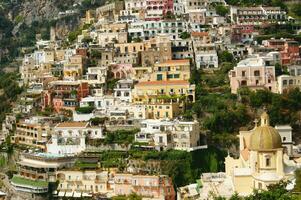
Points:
x=66 y=145
x=123 y=90
x=175 y=134
x=206 y=56
x=76 y=129
x=285 y=132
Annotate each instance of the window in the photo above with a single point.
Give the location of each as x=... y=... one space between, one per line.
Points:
x=267 y=162
x=284 y=139
x=243 y=73
x=169 y=76
x=257 y=73
x=243 y=83
x=176 y=75
x=159 y=77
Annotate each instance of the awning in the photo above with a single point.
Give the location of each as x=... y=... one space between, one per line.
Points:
x=69 y=194
x=86 y=195
x=77 y=194
x=61 y=194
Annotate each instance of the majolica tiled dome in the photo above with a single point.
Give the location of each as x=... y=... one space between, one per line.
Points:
x=265 y=137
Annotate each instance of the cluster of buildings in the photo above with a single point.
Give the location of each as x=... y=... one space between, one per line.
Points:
x=132 y=68
x=265 y=158
x=258 y=71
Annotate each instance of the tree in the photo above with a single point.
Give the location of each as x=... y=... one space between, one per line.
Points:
x=296 y=9
x=184 y=35
x=225 y=56
x=274 y=192
x=221 y=10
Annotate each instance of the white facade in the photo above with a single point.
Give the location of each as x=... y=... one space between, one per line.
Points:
x=77 y=129
x=285 y=132
x=123 y=90
x=206 y=59
x=175 y=134
x=66 y=145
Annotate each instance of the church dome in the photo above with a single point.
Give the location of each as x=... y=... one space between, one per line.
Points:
x=265 y=137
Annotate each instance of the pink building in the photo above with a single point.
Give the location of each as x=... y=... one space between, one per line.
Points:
x=65 y=94
x=289 y=49
x=254 y=73
x=122 y=71
x=154 y=187
x=156 y=9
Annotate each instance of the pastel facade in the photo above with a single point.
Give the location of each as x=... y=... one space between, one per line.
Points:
x=66 y=145
x=31 y=134
x=87 y=183
x=148 y=186
x=145 y=92
x=164 y=134
x=111 y=184
x=206 y=57
x=257 y=15
x=123 y=90
x=287 y=82
x=171 y=70
x=76 y=129
x=122 y=71
x=65 y=94
x=289 y=50
x=36 y=170
x=73 y=69
x=255 y=73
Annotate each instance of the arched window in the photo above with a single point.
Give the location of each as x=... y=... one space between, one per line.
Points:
x=268 y=161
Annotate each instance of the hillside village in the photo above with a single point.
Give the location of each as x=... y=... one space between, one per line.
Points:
x=157 y=99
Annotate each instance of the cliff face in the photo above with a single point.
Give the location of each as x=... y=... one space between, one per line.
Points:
x=20 y=20
x=36 y=10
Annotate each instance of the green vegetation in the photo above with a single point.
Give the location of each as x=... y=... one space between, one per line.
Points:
x=23 y=181
x=183 y=167
x=83 y=165
x=129 y=197
x=120 y=137
x=9 y=91
x=223 y=113
x=85 y=110
x=221 y=10
x=111 y=83
x=295 y=10
x=298 y=181
x=277 y=3
x=98 y=121
x=185 y=35
x=274 y=192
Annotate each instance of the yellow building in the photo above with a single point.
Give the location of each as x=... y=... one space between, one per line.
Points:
x=154 y=91
x=171 y=70
x=74 y=68
x=261 y=162
x=133 y=47
x=163 y=99
x=31 y=134
x=163 y=110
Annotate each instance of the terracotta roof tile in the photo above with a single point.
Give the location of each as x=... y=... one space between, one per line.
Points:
x=198 y=34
